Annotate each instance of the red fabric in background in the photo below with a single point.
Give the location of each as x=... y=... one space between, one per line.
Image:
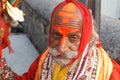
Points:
x=116 y=71
x=4 y=42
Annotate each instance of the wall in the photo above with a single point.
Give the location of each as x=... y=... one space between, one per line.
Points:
x=36 y=27
x=110 y=27
x=111 y=8
x=110 y=36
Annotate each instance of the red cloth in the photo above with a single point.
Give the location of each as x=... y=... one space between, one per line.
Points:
x=2 y=25
x=4 y=42
x=30 y=75
x=116 y=71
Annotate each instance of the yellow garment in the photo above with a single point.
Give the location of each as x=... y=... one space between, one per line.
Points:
x=59 y=72
x=104 y=68
x=41 y=61
x=15 y=12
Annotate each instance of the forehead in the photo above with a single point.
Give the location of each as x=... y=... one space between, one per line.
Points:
x=65 y=30
x=68 y=16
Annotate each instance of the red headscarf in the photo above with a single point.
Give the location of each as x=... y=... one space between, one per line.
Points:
x=4 y=41
x=86 y=28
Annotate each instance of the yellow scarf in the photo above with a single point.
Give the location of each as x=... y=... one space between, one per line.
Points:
x=104 y=68
x=59 y=72
x=41 y=61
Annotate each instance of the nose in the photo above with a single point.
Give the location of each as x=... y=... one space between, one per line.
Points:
x=62 y=47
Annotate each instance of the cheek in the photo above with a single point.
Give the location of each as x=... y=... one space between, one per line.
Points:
x=52 y=42
x=74 y=46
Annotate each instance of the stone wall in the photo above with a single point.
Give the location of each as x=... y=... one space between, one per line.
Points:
x=37 y=24
x=36 y=27
x=110 y=36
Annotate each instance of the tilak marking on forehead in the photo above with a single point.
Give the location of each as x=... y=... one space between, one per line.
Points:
x=69 y=15
x=67 y=21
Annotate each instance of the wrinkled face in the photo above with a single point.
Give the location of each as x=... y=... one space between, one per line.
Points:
x=65 y=34
x=64 y=43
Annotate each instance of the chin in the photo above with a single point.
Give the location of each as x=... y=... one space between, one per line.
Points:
x=62 y=62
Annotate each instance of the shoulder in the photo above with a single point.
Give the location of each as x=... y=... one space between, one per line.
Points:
x=35 y=65
x=42 y=56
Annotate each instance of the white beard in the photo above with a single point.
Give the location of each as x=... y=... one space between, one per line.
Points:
x=62 y=58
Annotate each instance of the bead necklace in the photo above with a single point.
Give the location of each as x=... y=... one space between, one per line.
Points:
x=82 y=69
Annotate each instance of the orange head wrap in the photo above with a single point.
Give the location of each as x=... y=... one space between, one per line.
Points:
x=86 y=21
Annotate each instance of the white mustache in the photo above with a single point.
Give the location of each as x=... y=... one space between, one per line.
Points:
x=70 y=54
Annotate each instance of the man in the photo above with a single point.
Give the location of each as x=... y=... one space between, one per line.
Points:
x=74 y=51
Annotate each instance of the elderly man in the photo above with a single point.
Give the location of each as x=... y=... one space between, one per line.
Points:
x=74 y=51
